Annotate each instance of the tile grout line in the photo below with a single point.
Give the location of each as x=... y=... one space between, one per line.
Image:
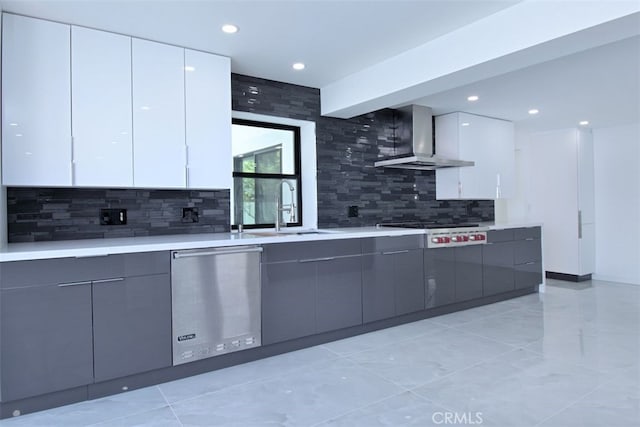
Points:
x=170 y=407
x=570 y=404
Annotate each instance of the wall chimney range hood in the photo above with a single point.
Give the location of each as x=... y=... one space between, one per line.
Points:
x=414 y=142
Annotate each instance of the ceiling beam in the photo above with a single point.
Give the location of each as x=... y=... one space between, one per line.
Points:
x=525 y=34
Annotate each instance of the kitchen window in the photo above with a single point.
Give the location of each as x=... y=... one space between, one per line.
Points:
x=266 y=174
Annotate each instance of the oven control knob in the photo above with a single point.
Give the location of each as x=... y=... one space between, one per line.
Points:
x=446 y=239
x=482 y=237
x=465 y=238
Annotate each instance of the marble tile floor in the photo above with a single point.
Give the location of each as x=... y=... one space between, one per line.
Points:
x=567 y=357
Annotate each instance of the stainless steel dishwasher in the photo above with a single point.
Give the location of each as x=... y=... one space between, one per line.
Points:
x=216 y=301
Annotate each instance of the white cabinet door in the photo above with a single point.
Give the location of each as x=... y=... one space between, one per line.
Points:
x=586 y=189
x=159 y=151
x=208 y=120
x=101 y=106
x=477 y=141
x=36 y=102
x=486 y=141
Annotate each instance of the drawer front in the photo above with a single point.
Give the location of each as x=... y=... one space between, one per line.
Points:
x=279 y=252
x=527 y=233
x=18 y=274
x=391 y=244
x=146 y=263
x=500 y=253
x=499 y=235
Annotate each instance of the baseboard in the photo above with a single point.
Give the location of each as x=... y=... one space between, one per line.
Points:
x=567 y=277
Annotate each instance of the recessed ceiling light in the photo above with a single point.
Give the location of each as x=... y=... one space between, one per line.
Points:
x=229 y=28
x=189 y=68
x=465 y=124
x=534 y=111
x=13 y=124
x=584 y=123
x=473 y=98
x=298 y=66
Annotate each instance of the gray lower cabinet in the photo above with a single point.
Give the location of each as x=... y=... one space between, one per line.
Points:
x=288 y=301
x=71 y=322
x=46 y=339
x=309 y=288
x=468 y=261
x=393 y=280
x=512 y=260
x=528 y=257
x=131 y=326
x=440 y=277
x=497 y=262
x=338 y=293
x=452 y=275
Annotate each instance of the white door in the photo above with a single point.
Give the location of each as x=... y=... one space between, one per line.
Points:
x=101 y=105
x=208 y=120
x=36 y=102
x=159 y=150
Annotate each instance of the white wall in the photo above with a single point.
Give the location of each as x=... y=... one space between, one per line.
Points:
x=617 y=194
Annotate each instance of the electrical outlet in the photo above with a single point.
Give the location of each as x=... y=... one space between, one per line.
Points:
x=190 y=215
x=113 y=216
x=352 y=212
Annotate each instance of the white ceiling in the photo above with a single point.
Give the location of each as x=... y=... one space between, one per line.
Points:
x=337 y=38
x=600 y=85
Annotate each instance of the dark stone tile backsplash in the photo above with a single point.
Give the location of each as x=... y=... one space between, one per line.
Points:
x=346 y=151
x=40 y=214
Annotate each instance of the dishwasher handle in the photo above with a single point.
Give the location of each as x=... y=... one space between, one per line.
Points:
x=177 y=255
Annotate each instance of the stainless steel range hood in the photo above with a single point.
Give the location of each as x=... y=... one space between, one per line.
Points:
x=414 y=142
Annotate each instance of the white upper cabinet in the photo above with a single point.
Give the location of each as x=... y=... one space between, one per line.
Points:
x=489 y=143
x=36 y=102
x=208 y=120
x=159 y=150
x=101 y=106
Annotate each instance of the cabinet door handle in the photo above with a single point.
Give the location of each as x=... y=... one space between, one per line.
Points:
x=65 y=285
x=115 y=279
x=529 y=238
x=579 y=224
x=331 y=258
x=73 y=161
x=395 y=252
x=530 y=263
x=177 y=255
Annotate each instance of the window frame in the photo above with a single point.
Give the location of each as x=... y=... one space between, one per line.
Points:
x=296 y=176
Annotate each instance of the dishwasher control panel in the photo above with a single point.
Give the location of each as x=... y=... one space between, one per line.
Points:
x=202 y=351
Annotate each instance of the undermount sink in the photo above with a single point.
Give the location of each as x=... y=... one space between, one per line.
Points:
x=286 y=233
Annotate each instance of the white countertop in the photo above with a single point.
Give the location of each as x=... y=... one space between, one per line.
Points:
x=98 y=247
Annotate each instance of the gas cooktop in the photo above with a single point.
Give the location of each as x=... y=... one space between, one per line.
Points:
x=429 y=225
